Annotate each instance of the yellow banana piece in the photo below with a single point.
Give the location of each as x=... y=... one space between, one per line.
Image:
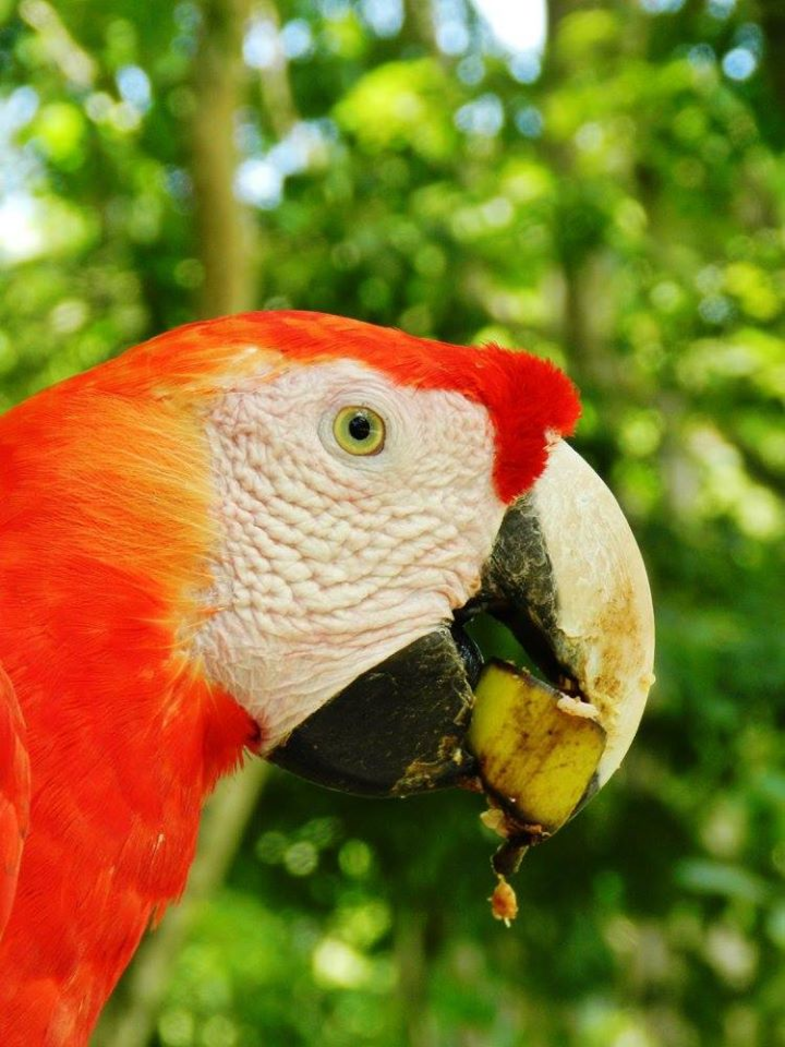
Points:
x=538 y=750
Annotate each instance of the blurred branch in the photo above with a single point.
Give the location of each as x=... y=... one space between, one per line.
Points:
x=57 y=43
x=756 y=468
x=222 y=232
x=412 y=963
x=275 y=86
x=131 y=1016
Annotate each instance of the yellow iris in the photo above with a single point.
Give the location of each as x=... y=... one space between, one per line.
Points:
x=359 y=430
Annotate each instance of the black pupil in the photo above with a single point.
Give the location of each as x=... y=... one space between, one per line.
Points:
x=360 y=427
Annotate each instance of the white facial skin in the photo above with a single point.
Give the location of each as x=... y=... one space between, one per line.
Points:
x=330 y=562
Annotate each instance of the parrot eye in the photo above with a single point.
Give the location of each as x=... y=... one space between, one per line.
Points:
x=359 y=430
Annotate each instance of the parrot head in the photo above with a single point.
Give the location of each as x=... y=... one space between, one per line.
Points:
x=365 y=494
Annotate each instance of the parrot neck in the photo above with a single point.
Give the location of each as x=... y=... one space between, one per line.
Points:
x=124 y=744
x=105 y=536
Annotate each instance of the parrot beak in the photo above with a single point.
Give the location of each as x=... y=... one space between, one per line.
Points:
x=566 y=577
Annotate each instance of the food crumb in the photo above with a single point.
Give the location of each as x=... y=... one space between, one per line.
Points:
x=504 y=903
x=495 y=820
x=575 y=707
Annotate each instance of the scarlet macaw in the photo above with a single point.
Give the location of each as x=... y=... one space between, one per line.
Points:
x=264 y=533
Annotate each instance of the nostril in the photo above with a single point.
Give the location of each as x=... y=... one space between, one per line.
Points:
x=469 y=652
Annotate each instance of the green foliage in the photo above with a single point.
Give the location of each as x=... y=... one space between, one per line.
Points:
x=620 y=212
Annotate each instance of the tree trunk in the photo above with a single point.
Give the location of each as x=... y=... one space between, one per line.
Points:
x=420 y=24
x=223 y=230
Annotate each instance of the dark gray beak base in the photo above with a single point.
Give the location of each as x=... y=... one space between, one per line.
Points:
x=396 y=729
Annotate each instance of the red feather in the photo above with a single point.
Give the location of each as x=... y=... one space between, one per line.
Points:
x=14 y=794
